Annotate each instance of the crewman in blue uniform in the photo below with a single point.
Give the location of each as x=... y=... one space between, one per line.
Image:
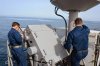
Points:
x=78 y=39
x=15 y=43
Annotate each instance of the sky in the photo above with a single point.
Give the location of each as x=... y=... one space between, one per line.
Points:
x=41 y=9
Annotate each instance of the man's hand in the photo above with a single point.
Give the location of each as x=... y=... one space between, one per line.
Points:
x=65 y=46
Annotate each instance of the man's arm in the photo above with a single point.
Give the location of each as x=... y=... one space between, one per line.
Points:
x=68 y=43
x=86 y=28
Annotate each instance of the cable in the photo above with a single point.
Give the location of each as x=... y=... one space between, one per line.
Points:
x=56 y=10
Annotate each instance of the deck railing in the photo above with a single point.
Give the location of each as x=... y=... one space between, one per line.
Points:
x=10 y=62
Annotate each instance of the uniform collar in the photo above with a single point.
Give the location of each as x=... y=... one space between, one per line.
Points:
x=78 y=27
x=13 y=29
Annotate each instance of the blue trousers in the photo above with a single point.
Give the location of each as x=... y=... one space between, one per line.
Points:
x=19 y=57
x=76 y=57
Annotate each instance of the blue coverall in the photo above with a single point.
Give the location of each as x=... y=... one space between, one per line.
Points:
x=78 y=38
x=18 y=54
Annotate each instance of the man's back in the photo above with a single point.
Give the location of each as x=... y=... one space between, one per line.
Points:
x=80 y=38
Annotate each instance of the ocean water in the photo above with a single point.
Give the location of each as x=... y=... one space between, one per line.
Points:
x=5 y=26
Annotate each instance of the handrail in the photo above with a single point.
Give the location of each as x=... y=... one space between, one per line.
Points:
x=98 y=48
x=10 y=62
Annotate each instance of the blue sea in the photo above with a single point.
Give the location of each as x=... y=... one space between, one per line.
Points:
x=5 y=25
